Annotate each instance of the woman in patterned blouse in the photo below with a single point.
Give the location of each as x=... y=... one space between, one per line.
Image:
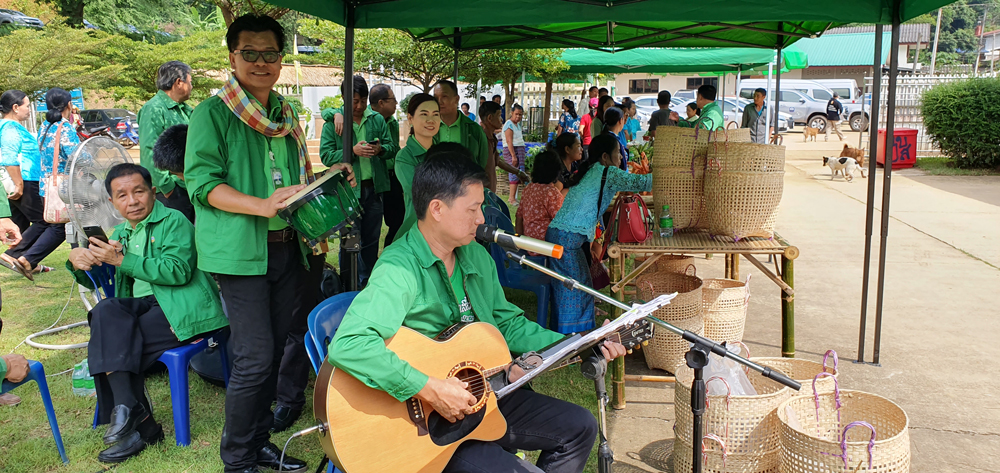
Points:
x=542 y=198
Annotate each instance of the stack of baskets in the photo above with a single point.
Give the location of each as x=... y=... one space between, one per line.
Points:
x=743 y=433
x=679 y=174
x=725 y=308
x=666 y=350
x=742 y=188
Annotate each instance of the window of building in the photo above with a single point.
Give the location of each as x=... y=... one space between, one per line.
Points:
x=695 y=82
x=644 y=86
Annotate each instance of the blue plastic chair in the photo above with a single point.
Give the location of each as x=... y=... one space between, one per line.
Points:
x=511 y=274
x=323 y=323
x=36 y=373
x=177 y=361
x=103 y=278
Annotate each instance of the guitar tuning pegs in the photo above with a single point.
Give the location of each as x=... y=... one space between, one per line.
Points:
x=630 y=351
x=645 y=343
x=638 y=347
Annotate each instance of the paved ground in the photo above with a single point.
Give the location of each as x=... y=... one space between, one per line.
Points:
x=939 y=336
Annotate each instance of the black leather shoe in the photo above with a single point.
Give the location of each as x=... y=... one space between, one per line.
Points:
x=128 y=447
x=285 y=417
x=269 y=456
x=123 y=422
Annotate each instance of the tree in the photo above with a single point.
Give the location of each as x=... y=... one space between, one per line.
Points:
x=232 y=9
x=139 y=62
x=142 y=16
x=31 y=63
x=504 y=66
x=390 y=53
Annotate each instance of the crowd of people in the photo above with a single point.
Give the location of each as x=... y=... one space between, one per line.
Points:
x=201 y=226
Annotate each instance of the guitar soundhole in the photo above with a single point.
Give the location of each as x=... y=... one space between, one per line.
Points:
x=477 y=383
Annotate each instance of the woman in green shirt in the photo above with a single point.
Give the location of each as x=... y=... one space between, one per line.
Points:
x=424 y=116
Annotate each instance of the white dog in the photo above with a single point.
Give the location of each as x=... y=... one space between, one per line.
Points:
x=844 y=165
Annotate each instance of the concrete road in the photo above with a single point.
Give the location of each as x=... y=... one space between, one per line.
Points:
x=939 y=338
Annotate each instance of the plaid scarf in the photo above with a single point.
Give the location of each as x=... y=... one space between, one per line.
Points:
x=253 y=114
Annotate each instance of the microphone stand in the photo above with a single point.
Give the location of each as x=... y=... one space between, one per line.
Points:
x=697 y=357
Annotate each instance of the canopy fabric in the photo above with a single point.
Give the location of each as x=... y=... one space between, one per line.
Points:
x=610 y=24
x=678 y=60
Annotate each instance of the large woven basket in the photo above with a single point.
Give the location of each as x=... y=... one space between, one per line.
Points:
x=840 y=440
x=732 y=135
x=717 y=459
x=804 y=371
x=676 y=264
x=743 y=187
x=666 y=350
x=725 y=308
x=747 y=424
x=678 y=174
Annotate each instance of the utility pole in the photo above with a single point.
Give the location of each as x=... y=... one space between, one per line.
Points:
x=979 y=45
x=937 y=34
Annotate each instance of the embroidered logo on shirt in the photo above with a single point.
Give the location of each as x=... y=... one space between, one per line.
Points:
x=466 y=310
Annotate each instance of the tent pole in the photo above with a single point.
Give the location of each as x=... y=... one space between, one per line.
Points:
x=770 y=77
x=777 y=91
x=873 y=113
x=890 y=150
x=458 y=46
x=348 y=80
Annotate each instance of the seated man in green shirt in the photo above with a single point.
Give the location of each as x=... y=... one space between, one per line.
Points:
x=162 y=301
x=710 y=117
x=435 y=276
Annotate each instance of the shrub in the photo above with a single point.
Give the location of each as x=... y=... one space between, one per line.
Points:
x=963 y=118
x=335 y=101
x=403 y=104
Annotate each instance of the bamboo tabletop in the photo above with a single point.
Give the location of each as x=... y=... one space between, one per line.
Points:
x=702 y=242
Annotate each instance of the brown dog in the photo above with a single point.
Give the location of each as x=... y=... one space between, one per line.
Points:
x=857 y=154
x=809 y=131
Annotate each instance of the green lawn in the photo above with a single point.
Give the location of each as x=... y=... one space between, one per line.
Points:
x=944 y=167
x=25 y=441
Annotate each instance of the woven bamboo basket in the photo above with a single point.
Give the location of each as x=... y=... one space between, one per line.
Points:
x=732 y=135
x=804 y=371
x=867 y=433
x=725 y=308
x=676 y=264
x=716 y=458
x=678 y=174
x=742 y=189
x=747 y=424
x=666 y=350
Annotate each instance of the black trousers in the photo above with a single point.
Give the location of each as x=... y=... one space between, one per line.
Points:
x=563 y=431
x=394 y=208
x=126 y=334
x=371 y=231
x=260 y=316
x=27 y=208
x=293 y=373
x=41 y=238
x=179 y=201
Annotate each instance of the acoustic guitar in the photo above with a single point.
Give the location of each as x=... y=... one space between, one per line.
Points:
x=366 y=430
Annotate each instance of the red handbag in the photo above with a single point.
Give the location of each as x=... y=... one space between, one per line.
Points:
x=635 y=223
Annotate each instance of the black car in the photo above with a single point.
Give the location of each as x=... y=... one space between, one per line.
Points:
x=16 y=18
x=113 y=118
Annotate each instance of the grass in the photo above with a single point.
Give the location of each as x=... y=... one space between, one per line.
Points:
x=945 y=167
x=26 y=443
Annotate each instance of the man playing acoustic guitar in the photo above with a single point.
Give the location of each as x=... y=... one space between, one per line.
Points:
x=432 y=277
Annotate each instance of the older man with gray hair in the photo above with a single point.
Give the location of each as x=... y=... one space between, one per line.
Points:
x=166 y=109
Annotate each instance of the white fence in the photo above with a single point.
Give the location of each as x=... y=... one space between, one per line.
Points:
x=909 y=96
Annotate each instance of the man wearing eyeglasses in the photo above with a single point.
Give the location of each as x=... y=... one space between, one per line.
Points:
x=245 y=157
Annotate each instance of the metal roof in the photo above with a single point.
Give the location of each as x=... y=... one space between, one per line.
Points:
x=853 y=49
x=908 y=34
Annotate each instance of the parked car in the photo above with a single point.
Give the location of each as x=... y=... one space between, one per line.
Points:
x=686 y=94
x=118 y=120
x=16 y=18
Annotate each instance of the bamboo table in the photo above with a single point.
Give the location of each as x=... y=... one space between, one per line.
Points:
x=695 y=243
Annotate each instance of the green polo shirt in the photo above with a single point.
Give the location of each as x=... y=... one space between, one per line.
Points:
x=372 y=127
x=470 y=134
x=160 y=113
x=133 y=240
x=221 y=149
x=410 y=287
x=710 y=118
x=406 y=162
x=450 y=133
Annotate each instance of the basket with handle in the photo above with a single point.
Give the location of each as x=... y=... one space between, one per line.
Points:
x=679 y=174
x=748 y=424
x=743 y=188
x=666 y=350
x=725 y=308
x=732 y=135
x=843 y=431
x=805 y=371
x=676 y=264
x=716 y=459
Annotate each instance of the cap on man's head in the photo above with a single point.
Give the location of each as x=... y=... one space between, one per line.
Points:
x=836 y=95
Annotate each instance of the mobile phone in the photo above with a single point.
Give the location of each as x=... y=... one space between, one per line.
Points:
x=95 y=232
x=373 y=142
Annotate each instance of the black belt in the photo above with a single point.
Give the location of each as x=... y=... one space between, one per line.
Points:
x=368 y=183
x=281 y=236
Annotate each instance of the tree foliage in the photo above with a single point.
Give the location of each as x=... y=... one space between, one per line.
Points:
x=964 y=119
x=139 y=61
x=232 y=9
x=35 y=60
x=504 y=66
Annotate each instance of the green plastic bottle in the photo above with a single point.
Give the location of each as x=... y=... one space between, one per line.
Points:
x=666 y=223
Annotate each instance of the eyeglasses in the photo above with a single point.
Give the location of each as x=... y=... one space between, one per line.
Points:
x=250 y=55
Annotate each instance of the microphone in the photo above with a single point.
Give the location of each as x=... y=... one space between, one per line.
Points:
x=489 y=233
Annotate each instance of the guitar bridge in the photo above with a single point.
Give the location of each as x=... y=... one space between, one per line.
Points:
x=416 y=411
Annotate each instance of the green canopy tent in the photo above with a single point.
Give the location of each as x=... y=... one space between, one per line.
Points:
x=679 y=60
x=628 y=24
